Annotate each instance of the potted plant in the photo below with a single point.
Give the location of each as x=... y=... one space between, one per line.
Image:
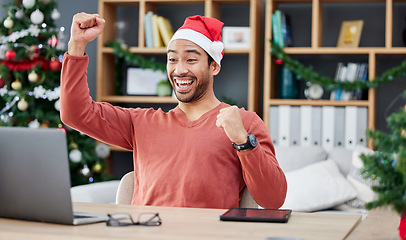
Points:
x=164 y=88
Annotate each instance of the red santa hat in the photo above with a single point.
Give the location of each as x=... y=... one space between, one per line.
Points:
x=205 y=32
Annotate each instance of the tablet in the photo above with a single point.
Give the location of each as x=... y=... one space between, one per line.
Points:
x=256 y=215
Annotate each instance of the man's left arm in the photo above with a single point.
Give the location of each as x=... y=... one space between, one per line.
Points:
x=264 y=178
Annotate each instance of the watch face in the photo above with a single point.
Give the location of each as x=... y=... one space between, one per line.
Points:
x=253 y=139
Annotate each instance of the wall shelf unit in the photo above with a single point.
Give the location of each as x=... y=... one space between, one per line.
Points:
x=317 y=47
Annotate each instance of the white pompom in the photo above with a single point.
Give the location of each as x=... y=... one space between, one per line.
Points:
x=217 y=47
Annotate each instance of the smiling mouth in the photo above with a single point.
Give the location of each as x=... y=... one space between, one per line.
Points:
x=183 y=84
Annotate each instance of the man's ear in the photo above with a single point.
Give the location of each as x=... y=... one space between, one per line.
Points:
x=215 y=68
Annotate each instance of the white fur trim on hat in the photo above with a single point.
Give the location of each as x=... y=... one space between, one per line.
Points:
x=214 y=49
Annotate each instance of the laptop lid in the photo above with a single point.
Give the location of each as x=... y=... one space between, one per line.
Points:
x=34 y=175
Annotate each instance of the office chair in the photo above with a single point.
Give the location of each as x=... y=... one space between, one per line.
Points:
x=126 y=188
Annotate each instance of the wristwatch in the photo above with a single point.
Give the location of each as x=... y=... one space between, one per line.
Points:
x=250 y=144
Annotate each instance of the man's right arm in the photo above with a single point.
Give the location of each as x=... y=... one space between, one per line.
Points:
x=102 y=121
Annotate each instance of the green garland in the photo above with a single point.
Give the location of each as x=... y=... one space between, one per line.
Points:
x=328 y=83
x=135 y=59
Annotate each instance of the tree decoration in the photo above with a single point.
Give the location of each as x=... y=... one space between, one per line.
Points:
x=10 y=54
x=53 y=41
x=37 y=17
x=22 y=105
x=55 y=65
x=19 y=14
x=55 y=15
x=28 y=3
x=16 y=85
x=33 y=77
x=30 y=63
x=306 y=73
x=8 y=23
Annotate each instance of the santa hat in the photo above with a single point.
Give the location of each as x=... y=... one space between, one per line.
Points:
x=205 y=32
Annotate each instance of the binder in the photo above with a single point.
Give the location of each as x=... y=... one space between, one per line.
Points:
x=328 y=125
x=362 y=126
x=316 y=126
x=350 y=127
x=305 y=125
x=295 y=126
x=274 y=124
x=284 y=125
x=339 y=134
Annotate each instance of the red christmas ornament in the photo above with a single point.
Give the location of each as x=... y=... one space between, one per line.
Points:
x=53 y=41
x=2 y=82
x=278 y=61
x=55 y=65
x=10 y=54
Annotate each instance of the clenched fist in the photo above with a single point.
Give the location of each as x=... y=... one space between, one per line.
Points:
x=85 y=28
x=229 y=119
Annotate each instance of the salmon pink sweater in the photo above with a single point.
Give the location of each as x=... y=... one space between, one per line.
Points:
x=177 y=162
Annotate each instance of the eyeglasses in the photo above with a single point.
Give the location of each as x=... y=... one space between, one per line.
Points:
x=125 y=219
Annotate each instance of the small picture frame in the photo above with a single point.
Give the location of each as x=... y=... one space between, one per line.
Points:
x=350 y=34
x=237 y=37
x=142 y=81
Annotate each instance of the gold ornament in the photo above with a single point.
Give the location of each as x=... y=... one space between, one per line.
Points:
x=97 y=167
x=22 y=105
x=33 y=77
x=8 y=23
x=16 y=85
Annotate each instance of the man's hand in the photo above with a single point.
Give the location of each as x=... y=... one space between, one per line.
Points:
x=85 y=28
x=229 y=119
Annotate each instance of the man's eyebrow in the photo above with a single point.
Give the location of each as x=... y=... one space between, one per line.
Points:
x=187 y=51
x=193 y=51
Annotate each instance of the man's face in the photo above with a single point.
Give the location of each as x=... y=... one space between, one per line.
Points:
x=188 y=70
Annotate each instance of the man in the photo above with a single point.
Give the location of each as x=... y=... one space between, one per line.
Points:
x=203 y=152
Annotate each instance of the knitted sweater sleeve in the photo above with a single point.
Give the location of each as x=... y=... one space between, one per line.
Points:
x=101 y=121
x=264 y=178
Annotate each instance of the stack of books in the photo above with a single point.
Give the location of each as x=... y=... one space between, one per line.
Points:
x=350 y=72
x=158 y=30
x=281 y=29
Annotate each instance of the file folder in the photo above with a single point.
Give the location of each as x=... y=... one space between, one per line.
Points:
x=351 y=127
x=339 y=127
x=295 y=126
x=305 y=125
x=362 y=126
x=316 y=126
x=274 y=124
x=284 y=125
x=328 y=127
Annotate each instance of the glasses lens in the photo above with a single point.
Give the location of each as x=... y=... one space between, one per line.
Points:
x=119 y=220
x=149 y=219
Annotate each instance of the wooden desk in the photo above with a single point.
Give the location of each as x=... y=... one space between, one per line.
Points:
x=184 y=223
x=380 y=224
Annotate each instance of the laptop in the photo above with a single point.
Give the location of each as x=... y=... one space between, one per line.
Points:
x=35 y=177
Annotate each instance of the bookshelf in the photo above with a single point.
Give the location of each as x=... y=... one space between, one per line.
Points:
x=211 y=8
x=314 y=47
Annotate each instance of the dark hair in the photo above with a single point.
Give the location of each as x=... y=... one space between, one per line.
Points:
x=210 y=59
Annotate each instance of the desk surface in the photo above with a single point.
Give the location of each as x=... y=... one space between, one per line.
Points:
x=184 y=223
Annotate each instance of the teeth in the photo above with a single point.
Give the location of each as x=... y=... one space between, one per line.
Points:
x=184 y=81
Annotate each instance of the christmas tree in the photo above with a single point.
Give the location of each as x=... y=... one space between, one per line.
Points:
x=386 y=167
x=31 y=50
